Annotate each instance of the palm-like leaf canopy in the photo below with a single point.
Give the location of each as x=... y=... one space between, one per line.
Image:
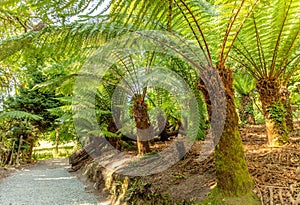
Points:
x=213 y=25
x=269 y=45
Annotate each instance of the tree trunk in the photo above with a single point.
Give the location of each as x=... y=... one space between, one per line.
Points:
x=12 y=154
x=274 y=112
x=247 y=112
x=233 y=178
x=116 y=142
x=19 y=150
x=140 y=114
x=285 y=100
x=31 y=150
x=204 y=91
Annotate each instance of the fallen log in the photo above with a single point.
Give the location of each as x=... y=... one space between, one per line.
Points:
x=87 y=153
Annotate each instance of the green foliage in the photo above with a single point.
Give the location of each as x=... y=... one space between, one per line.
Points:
x=18 y=115
x=278 y=114
x=244 y=83
x=11 y=131
x=268 y=46
x=49 y=153
x=34 y=102
x=179 y=176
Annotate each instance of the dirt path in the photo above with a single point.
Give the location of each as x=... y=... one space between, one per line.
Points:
x=46 y=182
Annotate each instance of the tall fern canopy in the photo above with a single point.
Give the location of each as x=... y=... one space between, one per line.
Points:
x=269 y=44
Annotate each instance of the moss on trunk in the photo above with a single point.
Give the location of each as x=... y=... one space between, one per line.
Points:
x=233 y=176
x=274 y=112
x=285 y=100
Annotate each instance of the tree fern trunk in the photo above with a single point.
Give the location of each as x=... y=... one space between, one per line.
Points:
x=201 y=86
x=140 y=114
x=116 y=142
x=231 y=167
x=285 y=100
x=274 y=112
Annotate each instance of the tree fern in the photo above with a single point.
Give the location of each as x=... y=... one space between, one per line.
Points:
x=269 y=49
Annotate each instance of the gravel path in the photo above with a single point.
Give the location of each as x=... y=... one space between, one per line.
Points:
x=47 y=182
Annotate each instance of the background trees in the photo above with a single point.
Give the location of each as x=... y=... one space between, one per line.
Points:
x=244 y=85
x=42 y=37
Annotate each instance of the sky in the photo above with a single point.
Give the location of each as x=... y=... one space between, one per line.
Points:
x=97 y=11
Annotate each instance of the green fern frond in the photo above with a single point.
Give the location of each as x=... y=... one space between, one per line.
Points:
x=268 y=46
x=19 y=115
x=244 y=83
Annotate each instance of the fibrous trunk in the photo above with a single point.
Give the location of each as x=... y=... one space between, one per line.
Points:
x=201 y=86
x=116 y=142
x=247 y=112
x=233 y=177
x=140 y=114
x=274 y=112
x=285 y=100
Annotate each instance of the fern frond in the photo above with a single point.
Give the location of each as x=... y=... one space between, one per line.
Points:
x=19 y=115
x=270 y=40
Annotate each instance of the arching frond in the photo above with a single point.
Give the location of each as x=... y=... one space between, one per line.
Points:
x=11 y=115
x=244 y=83
x=268 y=46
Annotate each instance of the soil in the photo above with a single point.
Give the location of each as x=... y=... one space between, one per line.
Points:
x=6 y=171
x=275 y=170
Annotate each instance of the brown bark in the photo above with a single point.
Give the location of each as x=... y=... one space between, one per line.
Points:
x=31 y=151
x=19 y=150
x=140 y=114
x=79 y=158
x=233 y=177
x=269 y=91
x=12 y=154
x=116 y=142
x=285 y=100
x=92 y=150
x=204 y=91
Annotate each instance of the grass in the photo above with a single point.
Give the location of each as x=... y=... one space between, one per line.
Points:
x=49 y=153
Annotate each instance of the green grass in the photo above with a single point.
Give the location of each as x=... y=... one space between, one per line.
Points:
x=49 y=153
